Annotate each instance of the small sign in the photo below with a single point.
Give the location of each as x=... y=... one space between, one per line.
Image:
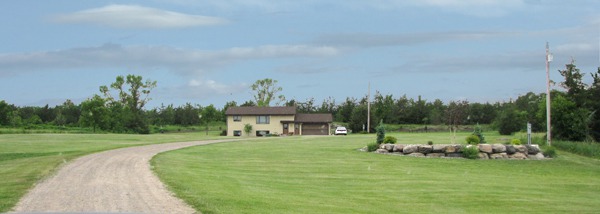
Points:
x=528 y=133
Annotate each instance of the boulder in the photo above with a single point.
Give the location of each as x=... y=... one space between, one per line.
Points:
x=510 y=149
x=533 y=149
x=363 y=149
x=425 y=149
x=521 y=149
x=436 y=155
x=389 y=147
x=417 y=154
x=454 y=155
x=483 y=155
x=538 y=156
x=487 y=148
x=499 y=156
x=409 y=149
x=498 y=148
x=381 y=151
x=439 y=148
x=518 y=155
x=453 y=148
x=398 y=147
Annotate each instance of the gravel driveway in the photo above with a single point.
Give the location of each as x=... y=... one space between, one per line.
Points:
x=115 y=181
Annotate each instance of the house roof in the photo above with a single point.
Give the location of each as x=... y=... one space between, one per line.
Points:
x=254 y=110
x=314 y=118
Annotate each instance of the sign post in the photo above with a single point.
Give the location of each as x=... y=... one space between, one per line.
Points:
x=528 y=133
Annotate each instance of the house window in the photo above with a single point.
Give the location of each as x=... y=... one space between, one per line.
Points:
x=237 y=118
x=237 y=133
x=262 y=119
x=261 y=133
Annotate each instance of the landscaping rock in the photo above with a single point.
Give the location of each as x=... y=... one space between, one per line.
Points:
x=381 y=151
x=389 y=147
x=439 y=148
x=498 y=148
x=510 y=149
x=487 y=148
x=521 y=149
x=538 y=156
x=518 y=155
x=436 y=155
x=364 y=149
x=398 y=148
x=409 y=149
x=483 y=155
x=452 y=149
x=499 y=156
x=425 y=149
x=417 y=154
x=533 y=149
x=454 y=155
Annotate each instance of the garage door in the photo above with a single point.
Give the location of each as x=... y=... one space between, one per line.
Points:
x=315 y=129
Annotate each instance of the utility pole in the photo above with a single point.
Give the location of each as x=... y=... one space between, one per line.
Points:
x=548 y=117
x=369 y=110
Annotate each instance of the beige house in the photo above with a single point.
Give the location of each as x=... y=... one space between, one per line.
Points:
x=277 y=121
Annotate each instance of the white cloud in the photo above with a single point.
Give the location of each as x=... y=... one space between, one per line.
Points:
x=132 y=16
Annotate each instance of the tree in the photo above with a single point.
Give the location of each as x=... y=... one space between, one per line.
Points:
x=94 y=113
x=5 y=113
x=511 y=120
x=573 y=83
x=266 y=90
x=568 y=121
x=594 y=105
x=358 y=119
x=345 y=110
x=133 y=99
x=456 y=113
x=247 y=129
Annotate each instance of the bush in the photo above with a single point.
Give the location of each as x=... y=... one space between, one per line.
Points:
x=371 y=147
x=390 y=139
x=380 y=129
x=515 y=141
x=549 y=152
x=472 y=139
x=430 y=142
x=470 y=152
x=479 y=133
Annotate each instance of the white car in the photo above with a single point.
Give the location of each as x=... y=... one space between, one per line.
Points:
x=341 y=131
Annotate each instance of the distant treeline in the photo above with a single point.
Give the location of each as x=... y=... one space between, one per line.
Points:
x=574 y=112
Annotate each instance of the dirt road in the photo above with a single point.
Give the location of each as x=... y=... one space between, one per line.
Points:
x=114 y=181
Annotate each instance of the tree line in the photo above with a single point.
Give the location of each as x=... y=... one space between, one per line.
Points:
x=574 y=109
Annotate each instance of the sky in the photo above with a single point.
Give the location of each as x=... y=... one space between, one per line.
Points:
x=211 y=51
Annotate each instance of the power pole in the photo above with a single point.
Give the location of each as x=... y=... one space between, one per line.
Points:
x=369 y=110
x=548 y=117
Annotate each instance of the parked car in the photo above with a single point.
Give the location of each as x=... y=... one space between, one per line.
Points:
x=341 y=130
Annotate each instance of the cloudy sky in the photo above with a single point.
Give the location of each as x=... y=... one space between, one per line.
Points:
x=211 y=51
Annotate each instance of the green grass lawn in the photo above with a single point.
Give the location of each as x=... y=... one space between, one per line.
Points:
x=328 y=175
x=26 y=158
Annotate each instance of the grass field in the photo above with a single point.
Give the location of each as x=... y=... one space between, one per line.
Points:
x=26 y=158
x=328 y=175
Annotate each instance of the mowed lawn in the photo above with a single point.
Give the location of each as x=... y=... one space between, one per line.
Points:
x=328 y=175
x=27 y=158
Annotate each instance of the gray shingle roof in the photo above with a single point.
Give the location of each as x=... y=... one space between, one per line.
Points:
x=279 y=110
x=314 y=118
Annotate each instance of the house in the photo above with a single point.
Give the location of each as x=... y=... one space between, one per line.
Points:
x=276 y=120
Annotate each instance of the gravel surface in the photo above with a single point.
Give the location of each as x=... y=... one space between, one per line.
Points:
x=115 y=181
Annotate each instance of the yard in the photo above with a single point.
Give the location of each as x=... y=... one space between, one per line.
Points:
x=329 y=175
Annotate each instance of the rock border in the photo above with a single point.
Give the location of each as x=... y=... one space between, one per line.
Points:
x=486 y=151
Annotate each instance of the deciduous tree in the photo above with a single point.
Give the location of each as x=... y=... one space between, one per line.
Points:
x=265 y=91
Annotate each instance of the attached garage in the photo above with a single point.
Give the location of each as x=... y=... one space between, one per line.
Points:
x=314 y=124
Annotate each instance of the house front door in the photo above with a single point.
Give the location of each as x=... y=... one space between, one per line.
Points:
x=286 y=127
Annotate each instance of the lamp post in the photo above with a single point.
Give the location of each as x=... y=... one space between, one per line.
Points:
x=548 y=117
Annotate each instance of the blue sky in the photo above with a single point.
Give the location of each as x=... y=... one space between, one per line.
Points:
x=210 y=52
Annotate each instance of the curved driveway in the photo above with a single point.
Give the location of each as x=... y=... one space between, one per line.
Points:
x=115 y=181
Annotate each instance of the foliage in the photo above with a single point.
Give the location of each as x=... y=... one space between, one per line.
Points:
x=549 y=152
x=380 y=131
x=588 y=149
x=510 y=121
x=479 y=133
x=568 y=121
x=390 y=140
x=358 y=121
x=430 y=142
x=371 y=147
x=94 y=113
x=247 y=129
x=470 y=152
x=266 y=90
x=472 y=139
x=456 y=115
x=515 y=141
